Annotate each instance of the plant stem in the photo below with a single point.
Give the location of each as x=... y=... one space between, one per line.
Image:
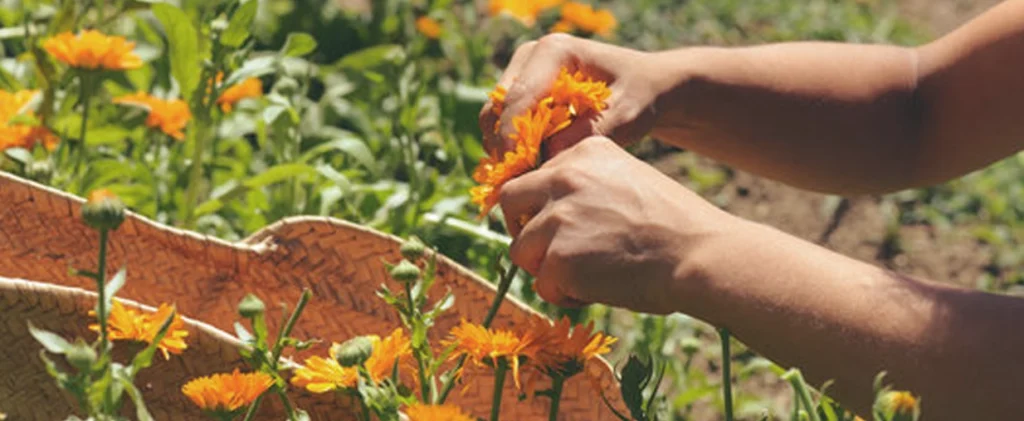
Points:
x=726 y=373
x=503 y=286
x=499 y=387
x=289 y=325
x=366 y=409
x=85 y=91
x=287 y=404
x=796 y=380
x=252 y=409
x=556 y=396
x=414 y=311
x=101 y=274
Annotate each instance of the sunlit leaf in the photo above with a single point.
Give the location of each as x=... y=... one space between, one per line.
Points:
x=183 y=43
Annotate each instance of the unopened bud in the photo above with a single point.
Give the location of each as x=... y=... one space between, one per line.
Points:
x=413 y=249
x=103 y=210
x=899 y=406
x=405 y=272
x=353 y=352
x=251 y=306
x=39 y=171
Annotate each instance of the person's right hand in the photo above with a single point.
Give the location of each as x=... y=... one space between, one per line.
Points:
x=536 y=64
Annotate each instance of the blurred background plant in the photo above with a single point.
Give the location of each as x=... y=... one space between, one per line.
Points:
x=367 y=110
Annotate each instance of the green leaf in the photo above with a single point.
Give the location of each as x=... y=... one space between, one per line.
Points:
x=51 y=341
x=183 y=41
x=238 y=27
x=372 y=57
x=298 y=44
x=351 y=145
x=21 y=155
x=279 y=173
x=123 y=377
x=254 y=67
x=242 y=333
x=113 y=286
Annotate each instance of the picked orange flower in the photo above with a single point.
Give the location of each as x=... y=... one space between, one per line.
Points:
x=18 y=128
x=429 y=27
x=93 y=50
x=249 y=88
x=582 y=16
x=448 y=412
x=561 y=350
x=484 y=346
x=320 y=375
x=134 y=325
x=572 y=96
x=227 y=394
x=169 y=116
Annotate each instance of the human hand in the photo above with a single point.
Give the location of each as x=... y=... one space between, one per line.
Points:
x=608 y=228
x=536 y=64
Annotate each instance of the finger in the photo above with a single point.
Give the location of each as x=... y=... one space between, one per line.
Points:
x=522 y=198
x=530 y=247
x=488 y=118
x=549 y=284
x=546 y=60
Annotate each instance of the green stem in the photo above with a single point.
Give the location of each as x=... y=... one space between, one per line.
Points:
x=101 y=274
x=366 y=409
x=499 y=388
x=556 y=396
x=503 y=286
x=195 y=175
x=85 y=87
x=287 y=405
x=796 y=380
x=289 y=325
x=413 y=311
x=726 y=373
x=252 y=409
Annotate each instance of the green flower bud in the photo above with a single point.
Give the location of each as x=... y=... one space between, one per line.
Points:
x=103 y=210
x=353 y=352
x=405 y=272
x=413 y=249
x=81 y=356
x=251 y=306
x=898 y=406
x=39 y=171
x=690 y=345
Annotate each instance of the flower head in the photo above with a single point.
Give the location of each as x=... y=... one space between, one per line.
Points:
x=582 y=16
x=561 y=350
x=320 y=374
x=572 y=96
x=421 y=412
x=93 y=50
x=167 y=115
x=133 y=325
x=525 y=11
x=487 y=346
x=17 y=123
x=249 y=88
x=227 y=393
x=429 y=27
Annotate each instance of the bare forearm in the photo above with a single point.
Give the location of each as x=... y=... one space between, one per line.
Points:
x=837 y=318
x=830 y=117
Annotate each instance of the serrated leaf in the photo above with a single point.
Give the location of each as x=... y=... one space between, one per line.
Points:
x=298 y=44
x=183 y=43
x=238 y=29
x=51 y=341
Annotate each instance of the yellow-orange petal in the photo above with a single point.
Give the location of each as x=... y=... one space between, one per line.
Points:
x=429 y=27
x=227 y=392
x=93 y=50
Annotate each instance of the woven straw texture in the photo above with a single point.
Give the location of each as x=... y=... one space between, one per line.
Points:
x=41 y=237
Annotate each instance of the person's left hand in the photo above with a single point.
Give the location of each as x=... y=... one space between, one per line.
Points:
x=609 y=228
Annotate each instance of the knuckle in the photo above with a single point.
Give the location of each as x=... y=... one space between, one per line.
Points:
x=555 y=40
x=567 y=179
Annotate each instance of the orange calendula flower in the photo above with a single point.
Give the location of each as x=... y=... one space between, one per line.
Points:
x=134 y=325
x=421 y=412
x=100 y=195
x=167 y=115
x=18 y=128
x=320 y=375
x=573 y=95
x=227 y=393
x=93 y=50
x=560 y=350
x=582 y=16
x=488 y=346
x=249 y=88
x=525 y=11
x=562 y=26
x=429 y=27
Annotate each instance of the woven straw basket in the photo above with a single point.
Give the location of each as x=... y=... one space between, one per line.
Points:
x=41 y=237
